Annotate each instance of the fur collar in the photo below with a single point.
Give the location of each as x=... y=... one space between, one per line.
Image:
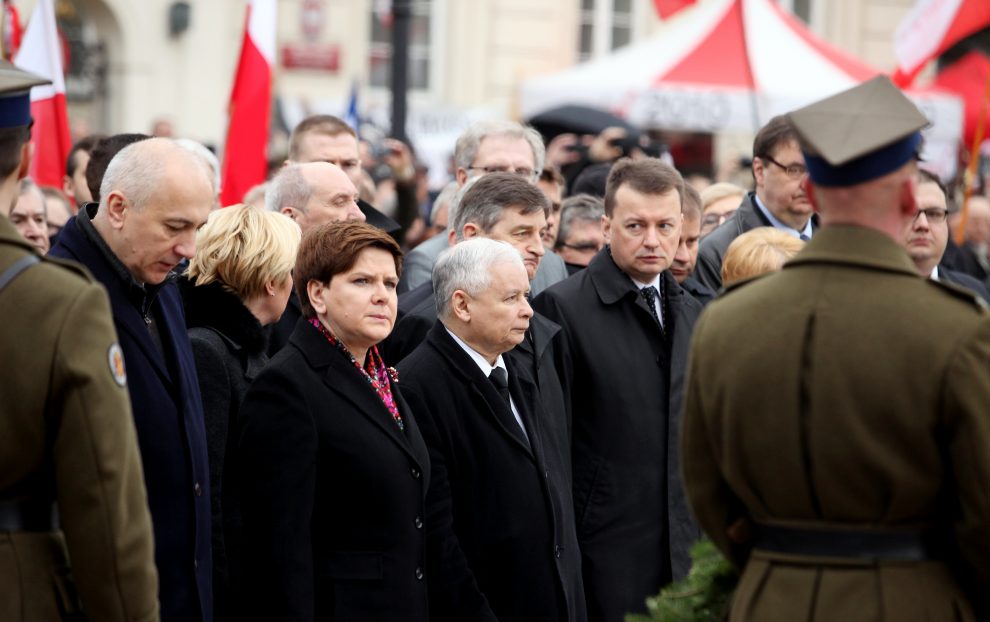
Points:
x=211 y=306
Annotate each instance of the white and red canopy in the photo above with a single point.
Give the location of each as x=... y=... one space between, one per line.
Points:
x=724 y=65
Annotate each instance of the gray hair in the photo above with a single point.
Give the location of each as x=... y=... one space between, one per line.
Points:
x=208 y=157
x=483 y=201
x=137 y=170
x=288 y=188
x=469 y=141
x=26 y=185
x=578 y=208
x=446 y=197
x=466 y=266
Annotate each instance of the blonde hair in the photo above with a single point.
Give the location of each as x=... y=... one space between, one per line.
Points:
x=719 y=191
x=757 y=252
x=243 y=249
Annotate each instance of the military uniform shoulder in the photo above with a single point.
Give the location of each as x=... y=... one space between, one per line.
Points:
x=959 y=292
x=742 y=282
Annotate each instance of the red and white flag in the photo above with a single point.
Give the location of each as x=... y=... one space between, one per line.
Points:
x=931 y=28
x=245 y=155
x=41 y=54
x=666 y=8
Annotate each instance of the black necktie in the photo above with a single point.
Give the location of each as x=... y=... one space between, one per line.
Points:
x=501 y=381
x=650 y=294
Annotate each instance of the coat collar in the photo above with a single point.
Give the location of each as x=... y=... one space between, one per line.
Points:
x=860 y=246
x=212 y=306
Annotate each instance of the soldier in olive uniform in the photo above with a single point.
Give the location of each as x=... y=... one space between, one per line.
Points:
x=837 y=423
x=67 y=437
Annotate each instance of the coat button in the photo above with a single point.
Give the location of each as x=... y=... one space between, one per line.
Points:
x=418 y=522
x=419 y=574
x=415 y=473
x=198 y=490
x=556 y=551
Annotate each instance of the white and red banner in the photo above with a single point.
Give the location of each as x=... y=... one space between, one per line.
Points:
x=41 y=54
x=666 y=8
x=245 y=155
x=931 y=28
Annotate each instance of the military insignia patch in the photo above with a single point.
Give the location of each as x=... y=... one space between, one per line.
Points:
x=115 y=357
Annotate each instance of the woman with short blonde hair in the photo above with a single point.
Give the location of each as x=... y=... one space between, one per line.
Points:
x=237 y=283
x=756 y=252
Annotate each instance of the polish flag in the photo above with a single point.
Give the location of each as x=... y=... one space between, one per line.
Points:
x=41 y=54
x=245 y=158
x=931 y=28
x=666 y=8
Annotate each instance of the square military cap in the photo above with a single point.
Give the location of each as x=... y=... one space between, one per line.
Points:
x=15 y=95
x=859 y=134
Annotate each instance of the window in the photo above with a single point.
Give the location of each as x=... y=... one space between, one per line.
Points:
x=380 y=50
x=605 y=25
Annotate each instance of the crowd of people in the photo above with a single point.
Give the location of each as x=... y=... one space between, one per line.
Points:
x=522 y=400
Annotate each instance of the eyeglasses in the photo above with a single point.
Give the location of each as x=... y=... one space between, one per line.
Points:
x=714 y=220
x=793 y=171
x=587 y=247
x=934 y=215
x=526 y=173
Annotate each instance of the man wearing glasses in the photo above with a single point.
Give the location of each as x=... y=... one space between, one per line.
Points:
x=779 y=200
x=927 y=235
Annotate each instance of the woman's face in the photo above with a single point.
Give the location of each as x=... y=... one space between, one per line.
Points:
x=359 y=305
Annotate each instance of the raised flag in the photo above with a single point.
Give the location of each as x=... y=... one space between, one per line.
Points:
x=666 y=8
x=351 y=115
x=11 y=30
x=245 y=154
x=931 y=28
x=41 y=54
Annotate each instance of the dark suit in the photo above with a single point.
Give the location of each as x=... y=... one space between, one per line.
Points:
x=964 y=280
x=698 y=290
x=332 y=492
x=502 y=544
x=625 y=383
x=280 y=331
x=168 y=414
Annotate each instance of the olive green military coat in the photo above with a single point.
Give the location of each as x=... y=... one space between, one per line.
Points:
x=844 y=391
x=66 y=434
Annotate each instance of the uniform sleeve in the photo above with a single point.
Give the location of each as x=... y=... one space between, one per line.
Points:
x=99 y=482
x=275 y=476
x=967 y=422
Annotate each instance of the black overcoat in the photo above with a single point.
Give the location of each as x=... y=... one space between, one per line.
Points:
x=625 y=382
x=332 y=492
x=502 y=543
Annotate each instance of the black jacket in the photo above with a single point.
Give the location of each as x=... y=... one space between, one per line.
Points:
x=698 y=290
x=501 y=543
x=332 y=492
x=964 y=280
x=168 y=415
x=625 y=381
x=228 y=344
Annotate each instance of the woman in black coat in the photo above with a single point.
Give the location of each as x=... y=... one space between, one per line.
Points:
x=238 y=282
x=333 y=470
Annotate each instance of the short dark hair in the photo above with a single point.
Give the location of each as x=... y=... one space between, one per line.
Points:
x=489 y=195
x=927 y=177
x=84 y=144
x=99 y=158
x=551 y=174
x=644 y=175
x=11 y=141
x=325 y=124
x=778 y=131
x=332 y=249
x=592 y=180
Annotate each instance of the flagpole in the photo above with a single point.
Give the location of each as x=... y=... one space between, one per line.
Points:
x=959 y=235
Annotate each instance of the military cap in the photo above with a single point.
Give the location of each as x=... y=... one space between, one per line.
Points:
x=859 y=134
x=15 y=95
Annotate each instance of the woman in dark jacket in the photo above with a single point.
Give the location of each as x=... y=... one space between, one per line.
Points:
x=333 y=469
x=238 y=282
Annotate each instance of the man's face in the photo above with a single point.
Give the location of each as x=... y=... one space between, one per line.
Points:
x=643 y=231
x=523 y=231
x=687 y=249
x=76 y=186
x=334 y=197
x=552 y=192
x=153 y=238
x=340 y=149
x=58 y=214
x=718 y=212
x=782 y=194
x=925 y=239
x=28 y=217
x=584 y=240
x=501 y=154
x=499 y=316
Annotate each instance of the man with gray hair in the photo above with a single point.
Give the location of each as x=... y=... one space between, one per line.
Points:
x=311 y=194
x=579 y=235
x=492 y=146
x=153 y=197
x=501 y=539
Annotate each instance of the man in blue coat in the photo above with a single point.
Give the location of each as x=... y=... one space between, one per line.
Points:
x=153 y=198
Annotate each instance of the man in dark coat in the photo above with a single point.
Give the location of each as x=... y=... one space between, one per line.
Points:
x=626 y=325
x=686 y=257
x=779 y=200
x=501 y=543
x=155 y=196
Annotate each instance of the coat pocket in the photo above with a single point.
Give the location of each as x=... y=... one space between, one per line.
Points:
x=355 y=566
